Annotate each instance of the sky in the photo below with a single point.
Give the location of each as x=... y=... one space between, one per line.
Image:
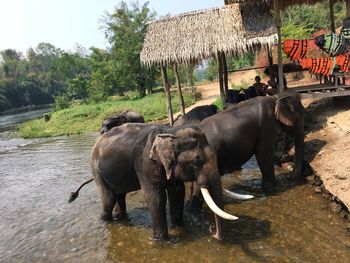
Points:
x=68 y=23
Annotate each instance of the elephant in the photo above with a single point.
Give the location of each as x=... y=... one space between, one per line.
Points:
x=250 y=128
x=197 y=114
x=123 y=117
x=158 y=160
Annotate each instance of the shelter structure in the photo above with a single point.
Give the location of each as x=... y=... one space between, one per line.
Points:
x=234 y=29
x=278 y=6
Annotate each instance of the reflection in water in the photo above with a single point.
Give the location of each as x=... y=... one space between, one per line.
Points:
x=38 y=225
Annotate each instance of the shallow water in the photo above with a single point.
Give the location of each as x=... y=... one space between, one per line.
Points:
x=38 y=225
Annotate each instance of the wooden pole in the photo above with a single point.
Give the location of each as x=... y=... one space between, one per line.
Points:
x=225 y=75
x=279 y=35
x=331 y=15
x=221 y=80
x=270 y=59
x=167 y=95
x=347 y=8
x=178 y=83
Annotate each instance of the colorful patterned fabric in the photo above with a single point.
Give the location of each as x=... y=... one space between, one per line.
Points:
x=323 y=66
x=295 y=49
x=332 y=43
x=343 y=62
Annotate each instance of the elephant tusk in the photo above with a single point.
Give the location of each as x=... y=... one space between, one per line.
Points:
x=210 y=202
x=236 y=196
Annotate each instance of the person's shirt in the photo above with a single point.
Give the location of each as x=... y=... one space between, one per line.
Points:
x=261 y=88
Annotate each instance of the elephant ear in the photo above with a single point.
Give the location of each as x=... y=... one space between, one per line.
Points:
x=284 y=111
x=163 y=150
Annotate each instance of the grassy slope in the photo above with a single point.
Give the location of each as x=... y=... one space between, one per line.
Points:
x=88 y=117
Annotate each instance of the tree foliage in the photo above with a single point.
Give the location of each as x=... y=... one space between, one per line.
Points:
x=46 y=73
x=304 y=20
x=125 y=30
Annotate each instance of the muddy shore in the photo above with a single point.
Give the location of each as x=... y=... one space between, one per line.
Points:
x=327 y=149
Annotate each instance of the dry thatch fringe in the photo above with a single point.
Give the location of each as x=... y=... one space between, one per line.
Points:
x=234 y=29
x=282 y=3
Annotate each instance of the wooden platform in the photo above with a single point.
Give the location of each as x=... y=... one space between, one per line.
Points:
x=322 y=91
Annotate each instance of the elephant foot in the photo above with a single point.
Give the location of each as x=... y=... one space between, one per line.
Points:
x=119 y=215
x=161 y=237
x=196 y=204
x=106 y=217
x=177 y=223
x=268 y=186
x=177 y=231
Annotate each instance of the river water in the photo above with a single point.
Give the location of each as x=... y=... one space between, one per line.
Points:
x=37 y=224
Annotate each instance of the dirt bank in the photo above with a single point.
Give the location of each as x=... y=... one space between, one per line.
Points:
x=327 y=144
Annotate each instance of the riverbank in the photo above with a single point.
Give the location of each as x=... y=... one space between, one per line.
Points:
x=81 y=118
x=327 y=148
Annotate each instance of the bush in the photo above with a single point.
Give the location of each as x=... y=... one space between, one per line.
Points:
x=61 y=102
x=47 y=116
x=132 y=95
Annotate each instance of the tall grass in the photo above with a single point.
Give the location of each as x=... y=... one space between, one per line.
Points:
x=81 y=118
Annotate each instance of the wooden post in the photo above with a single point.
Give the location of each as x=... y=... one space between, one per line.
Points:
x=167 y=95
x=270 y=59
x=331 y=15
x=347 y=8
x=279 y=35
x=178 y=83
x=225 y=75
x=221 y=80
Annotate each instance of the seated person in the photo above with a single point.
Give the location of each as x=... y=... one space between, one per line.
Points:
x=261 y=88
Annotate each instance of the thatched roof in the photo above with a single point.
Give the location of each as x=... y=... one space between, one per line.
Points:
x=198 y=35
x=282 y=3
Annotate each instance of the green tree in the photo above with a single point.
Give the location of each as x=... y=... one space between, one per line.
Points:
x=125 y=29
x=304 y=20
x=11 y=60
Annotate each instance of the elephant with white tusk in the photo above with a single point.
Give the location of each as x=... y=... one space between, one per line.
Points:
x=156 y=159
x=251 y=128
x=195 y=116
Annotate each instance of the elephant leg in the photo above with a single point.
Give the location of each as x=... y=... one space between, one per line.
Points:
x=119 y=210
x=264 y=157
x=156 y=200
x=196 y=199
x=176 y=196
x=108 y=198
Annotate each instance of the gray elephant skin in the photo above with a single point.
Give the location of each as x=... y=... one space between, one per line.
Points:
x=156 y=159
x=196 y=115
x=251 y=128
x=126 y=116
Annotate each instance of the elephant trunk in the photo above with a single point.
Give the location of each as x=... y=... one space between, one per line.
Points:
x=212 y=193
x=299 y=148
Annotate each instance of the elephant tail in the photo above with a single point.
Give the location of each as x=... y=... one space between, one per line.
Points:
x=74 y=195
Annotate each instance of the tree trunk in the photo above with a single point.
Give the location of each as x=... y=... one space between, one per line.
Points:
x=166 y=86
x=225 y=75
x=279 y=35
x=221 y=80
x=178 y=83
